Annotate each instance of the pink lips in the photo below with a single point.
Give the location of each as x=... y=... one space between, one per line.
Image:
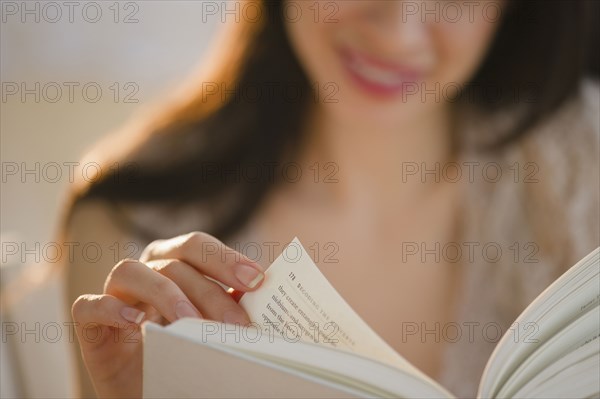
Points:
x=398 y=76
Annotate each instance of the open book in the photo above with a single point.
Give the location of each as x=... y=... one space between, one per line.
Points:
x=306 y=341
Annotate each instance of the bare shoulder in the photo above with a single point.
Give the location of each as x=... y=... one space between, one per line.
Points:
x=99 y=241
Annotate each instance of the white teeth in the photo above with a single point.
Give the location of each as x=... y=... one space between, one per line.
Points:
x=375 y=74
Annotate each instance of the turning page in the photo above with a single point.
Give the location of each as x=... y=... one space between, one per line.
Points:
x=297 y=302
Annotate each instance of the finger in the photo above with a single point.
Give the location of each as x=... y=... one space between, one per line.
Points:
x=211 y=257
x=93 y=314
x=208 y=296
x=106 y=310
x=134 y=282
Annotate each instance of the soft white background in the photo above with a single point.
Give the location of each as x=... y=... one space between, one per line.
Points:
x=157 y=53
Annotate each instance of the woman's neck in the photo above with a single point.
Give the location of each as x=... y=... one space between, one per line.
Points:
x=375 y=165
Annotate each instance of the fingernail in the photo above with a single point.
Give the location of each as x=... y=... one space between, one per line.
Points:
x=185 y=309
x=231 y=317
x=132 y=314
x=248 y=275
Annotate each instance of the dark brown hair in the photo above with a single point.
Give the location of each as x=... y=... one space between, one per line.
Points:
x=541 y=46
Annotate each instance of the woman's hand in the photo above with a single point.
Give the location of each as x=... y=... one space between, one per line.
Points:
x=170 y=281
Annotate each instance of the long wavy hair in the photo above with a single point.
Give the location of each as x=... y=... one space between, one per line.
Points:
x=545 y=43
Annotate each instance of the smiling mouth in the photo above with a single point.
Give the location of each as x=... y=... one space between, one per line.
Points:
x=376 y=76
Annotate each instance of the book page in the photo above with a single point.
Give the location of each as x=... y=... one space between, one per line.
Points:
x=583 y=330
x=201 y=344
x=578 y=381
x=573 y=361
x=296 y=302
x=567 y=299
x=177 y=366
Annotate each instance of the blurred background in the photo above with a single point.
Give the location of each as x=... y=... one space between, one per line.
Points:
x=71 y=72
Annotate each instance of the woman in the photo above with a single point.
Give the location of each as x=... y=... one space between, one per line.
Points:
x=422 y=135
